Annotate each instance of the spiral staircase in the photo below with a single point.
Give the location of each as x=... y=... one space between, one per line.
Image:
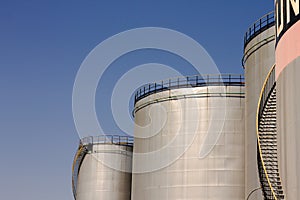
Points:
x=79 y=156
x=267 y=140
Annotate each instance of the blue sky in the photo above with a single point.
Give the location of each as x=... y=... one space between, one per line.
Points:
x=42 y=44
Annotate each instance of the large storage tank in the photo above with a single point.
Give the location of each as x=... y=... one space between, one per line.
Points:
x=189 y=139
x=288 y=94
x=102 y=168
x=259 y=57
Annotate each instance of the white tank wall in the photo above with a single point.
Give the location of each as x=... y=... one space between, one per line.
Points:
x=260 y=53
x=288 y=110
x=288 y=126
x=98 y=181
x=220 y=174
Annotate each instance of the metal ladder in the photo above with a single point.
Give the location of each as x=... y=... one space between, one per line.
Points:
x=267 y=141
x=268 y=146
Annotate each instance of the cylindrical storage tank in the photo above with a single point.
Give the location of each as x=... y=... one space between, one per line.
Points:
x=189 y=139
x=259 y=57
x=102 y=168
x=288 y=96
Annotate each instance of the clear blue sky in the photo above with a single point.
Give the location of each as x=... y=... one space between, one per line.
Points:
x=42 y=44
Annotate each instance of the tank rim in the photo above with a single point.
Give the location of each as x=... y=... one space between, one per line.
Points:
x=264 y=23
x=188 y=82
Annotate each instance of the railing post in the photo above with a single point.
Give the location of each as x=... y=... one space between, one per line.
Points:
x=187 y=81
x=207 y=80
x=260 y=24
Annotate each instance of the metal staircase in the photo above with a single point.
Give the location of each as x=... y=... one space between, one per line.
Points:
x=79 y=156
x=267 y=141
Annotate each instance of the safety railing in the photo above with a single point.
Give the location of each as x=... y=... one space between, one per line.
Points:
x=107 y=139
x=259 y=26
x=187 y=82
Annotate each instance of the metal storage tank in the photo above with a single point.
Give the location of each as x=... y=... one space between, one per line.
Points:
x=189 y=139
x=288 y=95
x=102 y=168
x=259 y=57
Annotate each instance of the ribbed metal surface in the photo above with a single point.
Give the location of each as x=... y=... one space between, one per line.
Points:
x=102 y=168
x=217 y=175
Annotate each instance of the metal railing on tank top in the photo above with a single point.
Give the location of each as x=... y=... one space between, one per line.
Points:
x=188 y=82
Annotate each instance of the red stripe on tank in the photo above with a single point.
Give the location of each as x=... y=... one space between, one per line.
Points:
x=288 y=48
